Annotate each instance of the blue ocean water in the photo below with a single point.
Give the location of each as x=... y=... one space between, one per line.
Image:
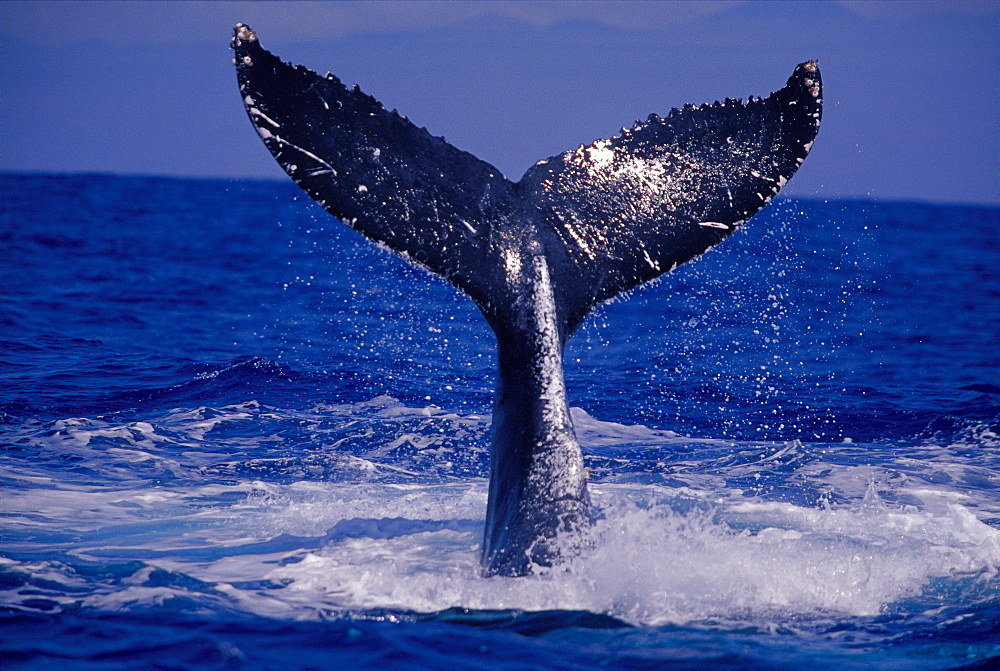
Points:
x=235 y=435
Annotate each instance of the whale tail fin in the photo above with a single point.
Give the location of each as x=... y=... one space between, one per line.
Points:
x=610 y=215
x=537 y=255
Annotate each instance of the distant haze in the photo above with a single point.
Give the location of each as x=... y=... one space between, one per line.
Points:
x=911 y=102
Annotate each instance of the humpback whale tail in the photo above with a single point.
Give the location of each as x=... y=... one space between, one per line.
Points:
x=537 y=255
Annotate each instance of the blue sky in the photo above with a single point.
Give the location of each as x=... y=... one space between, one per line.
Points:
x=912 y=107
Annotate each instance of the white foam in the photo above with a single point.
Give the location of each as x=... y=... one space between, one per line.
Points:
x=674 y=558
x=591 y=432
x=660 y=554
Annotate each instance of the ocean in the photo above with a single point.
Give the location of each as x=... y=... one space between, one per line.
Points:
x=236 y=435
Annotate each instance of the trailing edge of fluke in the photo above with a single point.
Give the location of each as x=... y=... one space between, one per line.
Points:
x=535 y=255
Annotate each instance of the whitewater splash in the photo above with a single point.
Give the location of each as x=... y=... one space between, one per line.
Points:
x=394 y=522
x=648 y=564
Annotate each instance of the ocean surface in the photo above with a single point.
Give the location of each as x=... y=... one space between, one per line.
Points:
x=235 y=435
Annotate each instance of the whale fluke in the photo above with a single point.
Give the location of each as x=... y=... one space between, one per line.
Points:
x=537 y=255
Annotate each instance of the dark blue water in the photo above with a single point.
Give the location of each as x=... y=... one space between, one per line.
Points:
x=233 y=434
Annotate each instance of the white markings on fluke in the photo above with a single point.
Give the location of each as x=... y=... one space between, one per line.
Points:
x=245 y=34
x=263 y=117
x=652 y=264
x=305 y=152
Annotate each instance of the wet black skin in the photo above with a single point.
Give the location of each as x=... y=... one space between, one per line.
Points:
x=535 y=255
